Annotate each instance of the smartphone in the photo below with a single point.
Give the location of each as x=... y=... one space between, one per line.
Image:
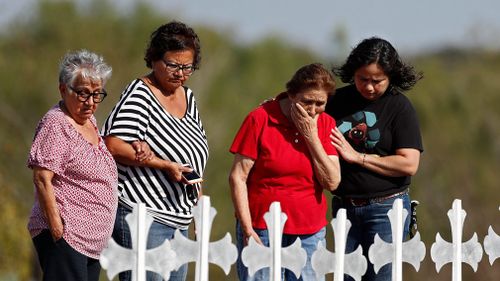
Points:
x=191 y=177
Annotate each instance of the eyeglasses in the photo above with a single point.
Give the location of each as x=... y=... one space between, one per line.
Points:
x=84 y=95
x=187 y=69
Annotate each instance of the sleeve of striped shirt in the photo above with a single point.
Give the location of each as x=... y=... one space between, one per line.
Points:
x=129 y=120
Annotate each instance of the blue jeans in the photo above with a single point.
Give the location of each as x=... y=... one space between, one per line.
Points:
x=309 y=243
x=366 y=222
x=158 y=233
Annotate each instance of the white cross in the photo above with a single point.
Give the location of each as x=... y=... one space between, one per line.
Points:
x=382 y=253
x=492 y=244
x=256 y=256
x=353 y=264
x=116 y=259
x=222 y=252
x=443 y=252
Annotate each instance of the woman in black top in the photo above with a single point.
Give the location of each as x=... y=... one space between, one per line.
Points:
x=378 y=139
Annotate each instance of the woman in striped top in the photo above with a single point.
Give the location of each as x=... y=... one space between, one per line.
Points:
x=152 y=131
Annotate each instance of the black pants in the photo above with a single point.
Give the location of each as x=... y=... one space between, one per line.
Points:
x=59 y=261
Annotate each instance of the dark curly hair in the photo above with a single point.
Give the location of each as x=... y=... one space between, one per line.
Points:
x=376 y=50
x=311 y=76
x=173 y=36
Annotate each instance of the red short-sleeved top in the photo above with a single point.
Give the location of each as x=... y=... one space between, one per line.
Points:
x=84 y=183
x=283 y=168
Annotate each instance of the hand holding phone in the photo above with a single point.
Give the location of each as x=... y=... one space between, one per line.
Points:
x=191 y=177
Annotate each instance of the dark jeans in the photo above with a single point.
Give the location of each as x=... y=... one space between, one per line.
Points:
x=366 y=222
x=157 y=234
x=59 y=261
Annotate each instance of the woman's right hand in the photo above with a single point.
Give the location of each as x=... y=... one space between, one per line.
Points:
x=344 y=148
x=57 y=230
x=174 y=170
x=254 y=235
x=305 y=124
x=42 y=178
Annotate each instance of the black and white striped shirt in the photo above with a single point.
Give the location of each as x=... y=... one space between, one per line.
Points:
x=138 y=115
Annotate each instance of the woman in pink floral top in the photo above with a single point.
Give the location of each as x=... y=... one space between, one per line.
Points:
x=74 y=174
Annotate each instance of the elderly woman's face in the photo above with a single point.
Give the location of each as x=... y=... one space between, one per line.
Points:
x=371 y=81
x=312 y=100
x=175 y=67
x=72 y=95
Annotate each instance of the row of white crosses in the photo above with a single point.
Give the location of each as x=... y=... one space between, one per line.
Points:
x=380 y=252
x=171 y=255
x=180 y=250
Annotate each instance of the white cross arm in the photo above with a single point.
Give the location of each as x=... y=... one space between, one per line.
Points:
x=414 y=251
x=380 y=253
x=161 y=260
x=322 y=261
x=492 y=245
x=472 y=252
x=442 y=252
x=255 y=256
x=223 y=253
x=115 y=259
x=187 y=250
x=355 y=264
x=294 y=257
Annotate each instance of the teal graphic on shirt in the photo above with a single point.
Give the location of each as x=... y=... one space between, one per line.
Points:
x=360 y=130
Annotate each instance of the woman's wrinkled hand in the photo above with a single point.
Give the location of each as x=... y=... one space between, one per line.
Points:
x=305 y=124
x=255 y=236
x=142 y=151
x=57 y=230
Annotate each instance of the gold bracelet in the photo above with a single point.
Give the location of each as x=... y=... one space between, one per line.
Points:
x=364 y=156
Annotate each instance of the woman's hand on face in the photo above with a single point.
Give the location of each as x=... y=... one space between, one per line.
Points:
x=344 y=147
x=142 y=151
x=306 y=125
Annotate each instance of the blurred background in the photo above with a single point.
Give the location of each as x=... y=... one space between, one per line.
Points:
x=249 y=51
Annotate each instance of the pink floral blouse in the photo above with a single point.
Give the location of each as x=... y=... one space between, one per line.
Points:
x=84 y=183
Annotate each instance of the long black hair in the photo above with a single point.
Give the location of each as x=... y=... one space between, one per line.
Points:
x=376 y=50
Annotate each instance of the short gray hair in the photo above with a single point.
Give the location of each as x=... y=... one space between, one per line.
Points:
x=85 y=63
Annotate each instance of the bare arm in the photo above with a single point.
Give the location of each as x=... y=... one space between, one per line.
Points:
x=326 y=168
x=126 y=154
x=404 y=163
x=239 y=193
x=42 y=178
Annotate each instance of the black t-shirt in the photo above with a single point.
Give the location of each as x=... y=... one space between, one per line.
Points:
x=373 y=127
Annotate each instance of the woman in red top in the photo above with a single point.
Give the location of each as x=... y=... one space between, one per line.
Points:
x=283 y=153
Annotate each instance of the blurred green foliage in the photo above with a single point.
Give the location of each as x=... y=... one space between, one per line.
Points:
x=457 y=104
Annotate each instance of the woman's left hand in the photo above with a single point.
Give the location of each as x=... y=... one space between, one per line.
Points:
x=343 y=147
x=142 y=151
x=306 y=125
